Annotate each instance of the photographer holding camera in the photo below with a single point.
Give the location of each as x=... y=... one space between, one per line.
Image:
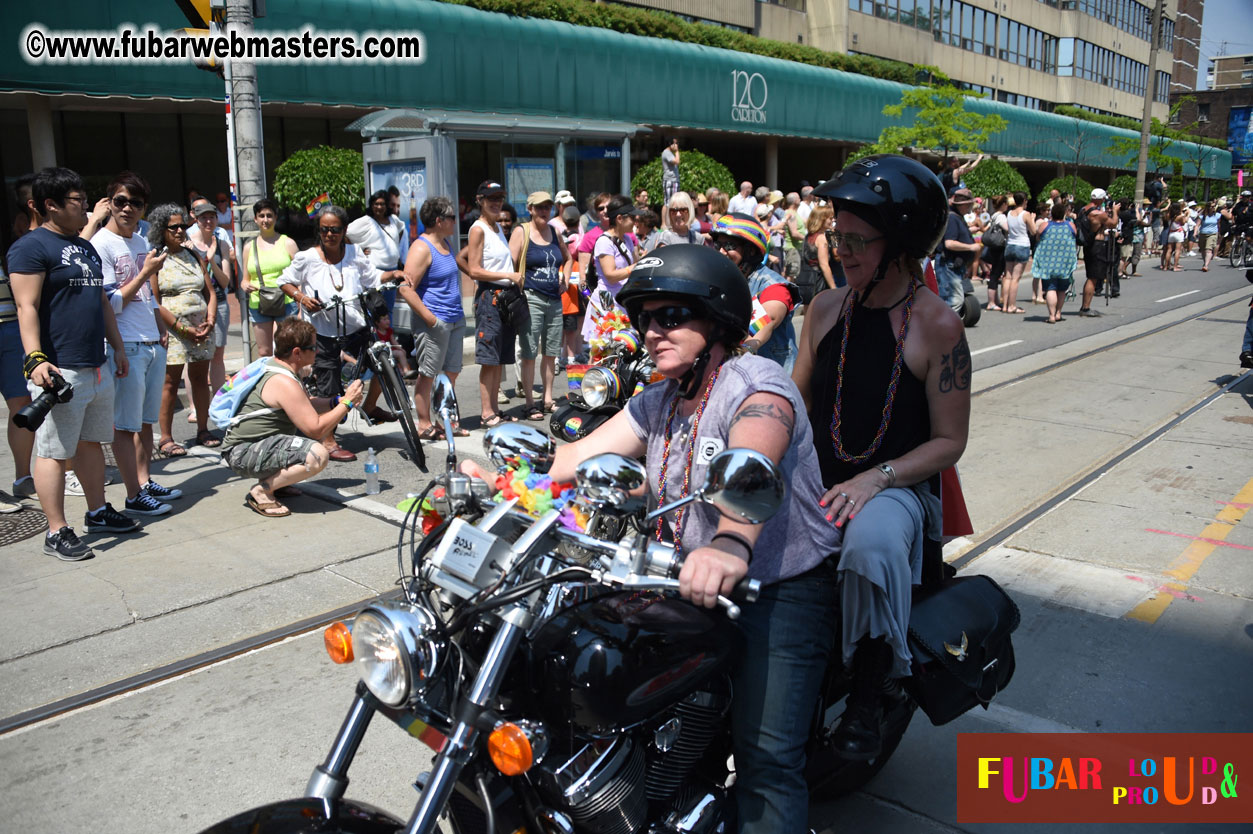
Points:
x=58 y=285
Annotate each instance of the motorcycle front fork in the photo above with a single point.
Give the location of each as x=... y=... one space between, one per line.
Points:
x=330 y=779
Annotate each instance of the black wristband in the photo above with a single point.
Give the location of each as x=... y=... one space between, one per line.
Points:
x=32 y=361
x=736 y=545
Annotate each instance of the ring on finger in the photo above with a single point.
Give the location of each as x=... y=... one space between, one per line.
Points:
x=851 y=501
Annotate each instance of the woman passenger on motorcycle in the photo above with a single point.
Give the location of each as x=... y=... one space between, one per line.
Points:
x=885 y=373
x=692 y=308
x=743 y=240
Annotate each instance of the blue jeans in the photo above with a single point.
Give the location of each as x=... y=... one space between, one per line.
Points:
x=789 y=632
x=949 y=281
x=1248 y=333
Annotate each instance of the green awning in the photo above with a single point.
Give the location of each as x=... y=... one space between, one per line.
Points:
x=496 y=64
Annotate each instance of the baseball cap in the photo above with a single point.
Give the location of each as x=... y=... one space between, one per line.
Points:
x=564 y=198
x=202 y=206
x=630 y=210
x=490 y=187
x=1099 y=194
x=1191 y=203
x=1246 y=193
x=536 y=198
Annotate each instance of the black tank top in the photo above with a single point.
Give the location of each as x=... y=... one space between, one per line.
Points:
x=867 y=372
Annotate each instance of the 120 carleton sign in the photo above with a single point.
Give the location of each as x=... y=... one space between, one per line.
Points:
x=748 y=97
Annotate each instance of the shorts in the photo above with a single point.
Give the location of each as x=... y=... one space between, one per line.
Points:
x=327 y=364
x=137 y=396
x=494 y=341
x=221 y=325
x=1017 y=254
x=544 y=332
x=88 y=417
x=257 y=318
x=1057 y=284
x=1095 y=270
x=265 y=458
x=439 y=348
x=571 y=322
x=12 y=357
x=1175 y=237
x=1209 y=240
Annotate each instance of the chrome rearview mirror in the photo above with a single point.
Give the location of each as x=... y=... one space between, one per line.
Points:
x=607 y=481
x=444 y=405
x=742 y=483
x=510 y=444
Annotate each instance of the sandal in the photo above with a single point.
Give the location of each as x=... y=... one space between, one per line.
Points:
x=1014 y=310
x=496 y=419
x=269 y=509
x=171 y=448
x=534 y=413
x=432 y=433
x=550 y=407
x=457 y=431
x=208 y=439
x=992 y=307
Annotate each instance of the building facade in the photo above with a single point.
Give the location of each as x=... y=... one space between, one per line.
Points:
x=1227 y=72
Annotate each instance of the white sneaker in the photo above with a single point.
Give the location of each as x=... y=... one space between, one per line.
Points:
x=8 y=505
x=72 y=485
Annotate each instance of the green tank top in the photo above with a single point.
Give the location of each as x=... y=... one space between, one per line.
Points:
x=273 y=261
x=263 y=426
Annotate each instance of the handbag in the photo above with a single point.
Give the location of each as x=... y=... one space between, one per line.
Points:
x=271 y=301
x=995 y=237
x=959 y=636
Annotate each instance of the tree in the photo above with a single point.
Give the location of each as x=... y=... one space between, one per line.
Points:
x=1069 y=184
x=941 y=121
x=1123 y=187
x=1161 y=137
x=307 y=174
x=993 y=177
x=697 y=173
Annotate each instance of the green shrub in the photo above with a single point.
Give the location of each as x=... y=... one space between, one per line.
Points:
x=306 y=174
x=1122 y=188
x=697 y=173
x=1069 y=184
x=655 y=24
x=992 y=177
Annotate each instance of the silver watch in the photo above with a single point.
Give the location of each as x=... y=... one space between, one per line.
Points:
x=886 y=469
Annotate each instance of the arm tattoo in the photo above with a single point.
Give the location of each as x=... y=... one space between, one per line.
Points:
x=955 y=368
x=766 y=410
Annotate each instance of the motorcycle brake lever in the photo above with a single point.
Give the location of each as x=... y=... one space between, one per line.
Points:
x=636 y=582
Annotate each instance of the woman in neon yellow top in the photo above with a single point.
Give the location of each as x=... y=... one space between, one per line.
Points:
x=264 y=262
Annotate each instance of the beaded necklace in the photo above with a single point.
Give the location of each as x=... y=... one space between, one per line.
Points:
x=889 y=401
x=687 y=470
x=339 y=267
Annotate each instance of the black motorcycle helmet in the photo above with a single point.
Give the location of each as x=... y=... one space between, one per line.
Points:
x=702 y=278
x=897 y=195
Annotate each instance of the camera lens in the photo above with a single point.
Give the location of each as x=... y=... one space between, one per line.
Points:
x=32 y=416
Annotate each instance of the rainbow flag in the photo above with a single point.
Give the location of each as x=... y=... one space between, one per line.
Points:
x=315 y=205
x=760 y=318
x=574 y=375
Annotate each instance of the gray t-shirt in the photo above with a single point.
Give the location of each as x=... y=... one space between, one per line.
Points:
x=798 y=537
x=670 y=236
x=669 y=168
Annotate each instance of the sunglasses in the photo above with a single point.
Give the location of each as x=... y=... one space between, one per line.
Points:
x=330 y=230
x=448 y=217
x=178 y=227
x=678 y=211
x=853 y=243
x=602 y=208
x=722 y=244
x=120 y=203
x=309 y=348
x=666 y=318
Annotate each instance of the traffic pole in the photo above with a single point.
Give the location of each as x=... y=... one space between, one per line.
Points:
x=244 y=143
x=1150 y=88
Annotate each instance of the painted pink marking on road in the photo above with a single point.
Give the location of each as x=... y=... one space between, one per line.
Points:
x=1165 y=589
x=1205 y=539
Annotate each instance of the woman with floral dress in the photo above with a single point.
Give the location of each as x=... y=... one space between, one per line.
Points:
x=1055 y=259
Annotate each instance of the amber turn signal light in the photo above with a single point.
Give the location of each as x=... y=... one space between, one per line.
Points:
x=510 y=749
x=338 y=640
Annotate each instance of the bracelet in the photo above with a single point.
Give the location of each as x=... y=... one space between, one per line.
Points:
x=739 y=545
x=33 y=360
x=886 y=469
x=346 y=403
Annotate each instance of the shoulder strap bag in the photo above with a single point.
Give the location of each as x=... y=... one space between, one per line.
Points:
x=271 y=301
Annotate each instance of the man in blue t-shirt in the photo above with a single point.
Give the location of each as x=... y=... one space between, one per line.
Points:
x=956 y=250
x=58 y=286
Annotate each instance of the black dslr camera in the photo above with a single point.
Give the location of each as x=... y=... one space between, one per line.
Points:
x=32 y=416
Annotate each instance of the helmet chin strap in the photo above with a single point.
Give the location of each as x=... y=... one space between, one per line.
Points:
x=690 y=382
x=880 y=272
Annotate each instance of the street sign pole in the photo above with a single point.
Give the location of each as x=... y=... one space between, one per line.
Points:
x=1150 y=88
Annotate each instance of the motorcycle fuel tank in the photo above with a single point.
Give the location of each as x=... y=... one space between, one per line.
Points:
x=569 y=422
x=619 y=659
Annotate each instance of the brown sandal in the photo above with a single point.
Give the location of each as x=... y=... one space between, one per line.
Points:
x=264 y=507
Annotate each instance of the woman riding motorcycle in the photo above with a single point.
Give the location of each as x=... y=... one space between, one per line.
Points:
x=692 y=307
x=885 y=372
x=743 y=240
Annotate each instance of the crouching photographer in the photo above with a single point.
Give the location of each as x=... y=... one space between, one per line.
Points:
x=64 y=316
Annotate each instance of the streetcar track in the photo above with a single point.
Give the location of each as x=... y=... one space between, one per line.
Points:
x=159 y=674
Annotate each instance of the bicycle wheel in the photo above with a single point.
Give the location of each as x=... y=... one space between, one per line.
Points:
x=1236 y=254
x=397 y=397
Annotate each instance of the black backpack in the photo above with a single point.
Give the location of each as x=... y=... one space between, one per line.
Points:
x=1083 y=228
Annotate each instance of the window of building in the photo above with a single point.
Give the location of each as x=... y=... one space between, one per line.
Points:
x=1202 y=112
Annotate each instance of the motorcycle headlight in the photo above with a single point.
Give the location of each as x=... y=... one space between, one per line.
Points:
x=398 y=651
x=600 y=385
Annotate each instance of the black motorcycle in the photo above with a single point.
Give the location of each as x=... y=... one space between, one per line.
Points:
x=562 y=683
x=603 y=389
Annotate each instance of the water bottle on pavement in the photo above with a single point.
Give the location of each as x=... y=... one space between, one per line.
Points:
x=371 y=473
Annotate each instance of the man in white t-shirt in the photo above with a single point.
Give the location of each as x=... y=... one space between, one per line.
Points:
x=379 y=234
x=128 y=267
x=806 y=206
x=744 y=202
x=226 y=216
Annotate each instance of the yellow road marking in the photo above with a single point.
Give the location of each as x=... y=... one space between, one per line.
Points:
x=1183 y=568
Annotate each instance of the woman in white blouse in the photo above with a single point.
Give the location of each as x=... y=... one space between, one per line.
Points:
x=314 y=277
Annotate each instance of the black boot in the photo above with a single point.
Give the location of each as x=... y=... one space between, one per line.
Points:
x=859 y=736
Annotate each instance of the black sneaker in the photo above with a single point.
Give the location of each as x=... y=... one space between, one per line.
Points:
x=161 y=493
x=1089 y=314
x=109 y=520
x=145 y=504
x=1246 y=359
x=66 y=546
